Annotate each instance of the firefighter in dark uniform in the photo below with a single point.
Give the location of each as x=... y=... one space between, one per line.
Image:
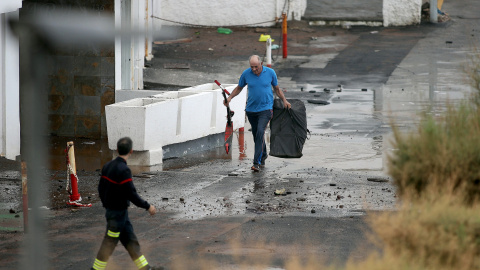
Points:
x=116 y=191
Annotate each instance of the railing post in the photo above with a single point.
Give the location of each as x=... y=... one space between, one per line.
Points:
x=284 y=32
x=269 y=52
x=433 y=11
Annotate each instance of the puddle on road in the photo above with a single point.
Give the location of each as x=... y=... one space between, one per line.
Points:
x=91 y=155
x=11 y=222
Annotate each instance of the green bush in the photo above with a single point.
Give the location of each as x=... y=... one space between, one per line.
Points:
x=443 y=156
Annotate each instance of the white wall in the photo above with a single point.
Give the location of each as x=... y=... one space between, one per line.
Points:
x=401 y=13
x=10 y=5
x=9 y=84
x=227 y=12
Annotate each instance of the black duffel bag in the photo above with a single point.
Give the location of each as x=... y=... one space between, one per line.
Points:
x=288 y=129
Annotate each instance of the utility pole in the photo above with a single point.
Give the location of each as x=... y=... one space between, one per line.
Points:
x=433 y=11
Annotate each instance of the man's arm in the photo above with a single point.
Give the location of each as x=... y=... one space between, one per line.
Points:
x=282 y=97
x=137 y=200
x=133 y=196
x=234 y=93
x=101 y=190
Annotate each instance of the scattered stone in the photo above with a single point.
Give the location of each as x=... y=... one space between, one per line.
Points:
x=313 y=211
x=312 y=91
x=17 y=215
x=233 y=174
x=318 y=101
x=332 y=184
x=341 y=206
x=339 y=197
x=301 y=199
x=377 y=179
x=143 y=176
x=182 y=199
x=164 y=199
x=280 y=192
x=248 y=201
x=12 y=211
x=262 y=30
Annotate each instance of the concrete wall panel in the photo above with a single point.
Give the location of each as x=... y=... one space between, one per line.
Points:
x=10 y=5
x=163 y=121
x=401 y=13
x=84 y=75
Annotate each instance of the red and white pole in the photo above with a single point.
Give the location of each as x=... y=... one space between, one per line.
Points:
x=75 y=197
x=269 y=52
x=241 y=143
x=284 y=33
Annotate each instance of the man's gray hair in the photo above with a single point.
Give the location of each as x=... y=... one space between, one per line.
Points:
x=258 y=58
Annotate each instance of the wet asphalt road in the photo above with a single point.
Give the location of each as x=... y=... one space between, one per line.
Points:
x=214 y=210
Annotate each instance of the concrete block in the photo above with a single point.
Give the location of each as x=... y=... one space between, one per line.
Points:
x=219 y=111
x=401 y=13
x=169 y=118
x=193 y=115
x=147 y=121
x=144 y=158
x=124 y=95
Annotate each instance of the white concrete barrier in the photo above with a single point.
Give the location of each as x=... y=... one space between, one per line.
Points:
x=140 y=120
x=170 y=117
x=124 y=95
x=219 y=111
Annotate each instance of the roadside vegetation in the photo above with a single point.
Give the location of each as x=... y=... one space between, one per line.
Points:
x=436 y=170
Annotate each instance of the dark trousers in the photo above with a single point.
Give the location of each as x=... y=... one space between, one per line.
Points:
x=118 y=228
x=259 y=122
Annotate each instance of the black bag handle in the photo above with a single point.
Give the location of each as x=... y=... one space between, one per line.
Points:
x=295 y=120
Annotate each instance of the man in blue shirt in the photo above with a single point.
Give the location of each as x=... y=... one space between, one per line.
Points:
x=259 y=110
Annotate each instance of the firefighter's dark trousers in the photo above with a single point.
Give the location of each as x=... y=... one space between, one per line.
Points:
x=119 y=228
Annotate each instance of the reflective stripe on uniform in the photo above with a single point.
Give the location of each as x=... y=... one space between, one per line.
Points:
x=113 y=234
x=99 y=265
x=141 y=262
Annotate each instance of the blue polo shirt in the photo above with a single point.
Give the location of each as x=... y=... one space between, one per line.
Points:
x=260 y=94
